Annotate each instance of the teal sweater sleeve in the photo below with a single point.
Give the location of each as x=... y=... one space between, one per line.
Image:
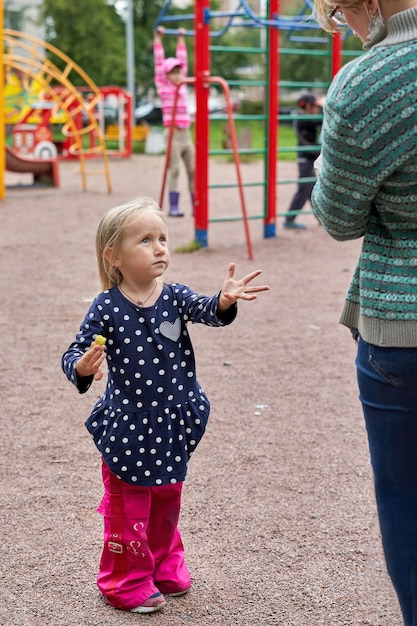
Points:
x=369 y=141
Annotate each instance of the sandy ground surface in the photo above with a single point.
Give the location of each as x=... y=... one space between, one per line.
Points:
x=278 y=521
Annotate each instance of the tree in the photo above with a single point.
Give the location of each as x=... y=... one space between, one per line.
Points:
x=307 y=68
x=92 y=34
x=228 y=63
x=145 y=16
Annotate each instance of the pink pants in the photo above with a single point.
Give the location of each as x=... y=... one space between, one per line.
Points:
x=143 y=552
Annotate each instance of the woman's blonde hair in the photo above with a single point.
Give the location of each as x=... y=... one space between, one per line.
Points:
x=110 y=234
x=322 y=8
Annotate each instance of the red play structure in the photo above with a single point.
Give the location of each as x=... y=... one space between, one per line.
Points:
x=119 y=130
x=43 y=95
x=273 y=23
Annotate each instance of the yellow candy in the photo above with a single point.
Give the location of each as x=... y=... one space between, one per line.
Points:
x=100 y=340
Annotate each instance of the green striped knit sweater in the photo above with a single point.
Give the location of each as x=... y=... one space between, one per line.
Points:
x=367 y=185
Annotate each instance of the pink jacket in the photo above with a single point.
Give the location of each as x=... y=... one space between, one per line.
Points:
x=166 y=90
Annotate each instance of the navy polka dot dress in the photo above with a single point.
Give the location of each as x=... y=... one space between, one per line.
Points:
x=153 y=412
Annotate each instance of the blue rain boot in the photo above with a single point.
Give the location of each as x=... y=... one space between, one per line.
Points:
x=173 y=204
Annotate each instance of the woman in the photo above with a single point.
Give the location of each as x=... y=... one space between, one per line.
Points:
x=367 y=187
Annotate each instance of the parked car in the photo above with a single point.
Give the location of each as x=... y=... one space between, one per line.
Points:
x=148 y=113
x=216 y=106
x=151 y=113
x=108 y=111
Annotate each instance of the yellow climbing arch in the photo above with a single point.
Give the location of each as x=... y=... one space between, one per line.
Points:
x=26 y=55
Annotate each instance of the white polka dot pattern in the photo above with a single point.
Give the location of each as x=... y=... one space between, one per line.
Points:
x=153 y=412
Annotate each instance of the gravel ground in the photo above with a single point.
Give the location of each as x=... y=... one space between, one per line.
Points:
x=279 y=520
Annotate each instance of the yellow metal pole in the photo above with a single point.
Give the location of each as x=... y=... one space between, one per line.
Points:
x=2 y=133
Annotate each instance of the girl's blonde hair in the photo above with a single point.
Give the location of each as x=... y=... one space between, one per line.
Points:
x=322 y=8
x=110 y=234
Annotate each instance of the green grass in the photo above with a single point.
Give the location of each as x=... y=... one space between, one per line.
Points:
x=286 y=137
x=192 y=246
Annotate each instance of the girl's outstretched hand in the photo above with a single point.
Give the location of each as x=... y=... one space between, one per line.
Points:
x=91 y=361
x=234 y=290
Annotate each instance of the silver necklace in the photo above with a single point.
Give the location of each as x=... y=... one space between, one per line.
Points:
x=139 y=302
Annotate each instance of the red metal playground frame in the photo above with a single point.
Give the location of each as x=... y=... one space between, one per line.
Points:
x=202 y=82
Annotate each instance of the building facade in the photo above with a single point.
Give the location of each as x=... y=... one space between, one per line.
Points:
x=24 y=15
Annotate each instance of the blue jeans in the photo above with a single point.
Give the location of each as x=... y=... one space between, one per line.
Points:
x=387 y=379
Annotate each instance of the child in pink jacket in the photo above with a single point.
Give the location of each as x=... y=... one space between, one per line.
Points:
x=169 y=72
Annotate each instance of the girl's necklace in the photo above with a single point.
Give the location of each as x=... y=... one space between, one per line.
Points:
x=139 y=302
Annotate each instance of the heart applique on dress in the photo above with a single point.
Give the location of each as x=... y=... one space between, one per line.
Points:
x=171 y=330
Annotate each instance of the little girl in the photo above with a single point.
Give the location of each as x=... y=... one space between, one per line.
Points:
x=153 y=412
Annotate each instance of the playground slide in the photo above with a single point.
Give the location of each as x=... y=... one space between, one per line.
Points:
x=44 y=170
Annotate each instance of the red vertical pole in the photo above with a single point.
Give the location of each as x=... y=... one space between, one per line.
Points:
x=233 y=138
x=336 y=62
x=272 y=121
x=202 y=73
x=127 y=122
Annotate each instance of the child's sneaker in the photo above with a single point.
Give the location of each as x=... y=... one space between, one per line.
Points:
x=172 y=592
x=153 y=603
x=176 y=594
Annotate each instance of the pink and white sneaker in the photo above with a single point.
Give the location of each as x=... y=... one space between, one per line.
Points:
x=153 y=603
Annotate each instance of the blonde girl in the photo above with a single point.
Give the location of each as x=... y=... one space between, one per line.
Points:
x=153 y=412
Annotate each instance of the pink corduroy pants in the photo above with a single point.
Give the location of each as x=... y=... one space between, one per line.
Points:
x=143 y=551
